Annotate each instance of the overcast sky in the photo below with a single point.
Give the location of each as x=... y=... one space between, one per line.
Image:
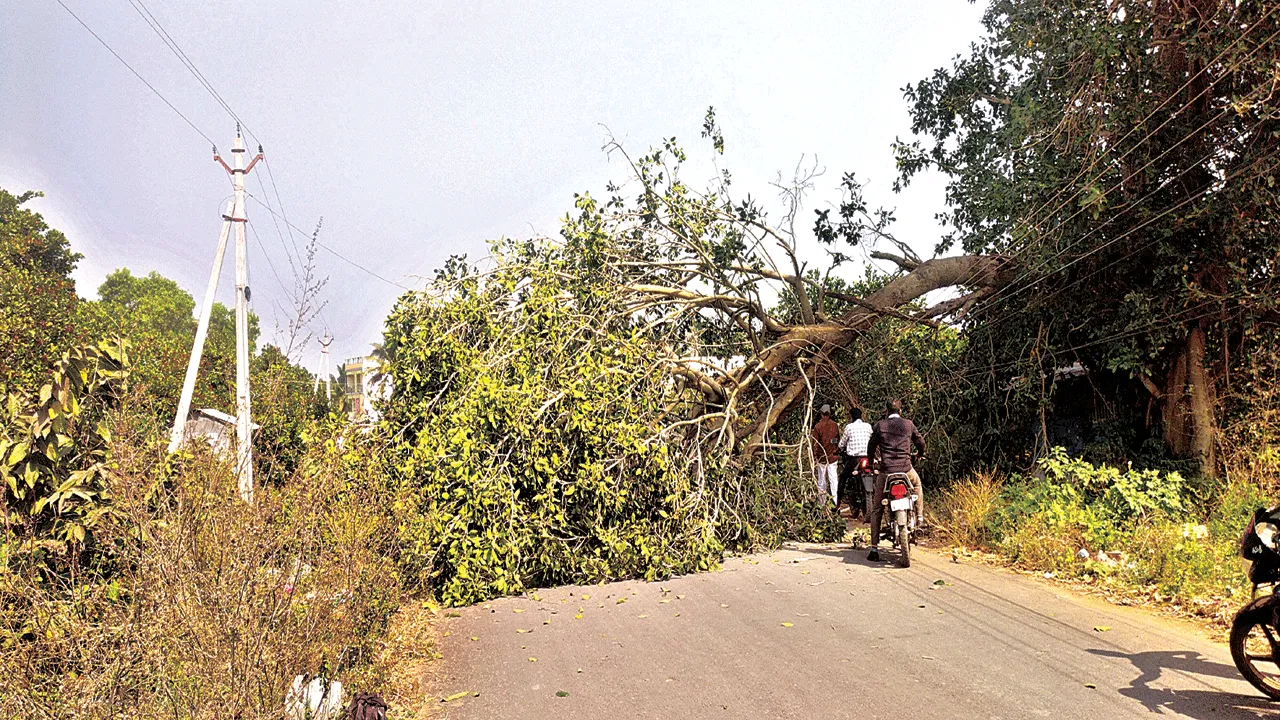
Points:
x=418 y=130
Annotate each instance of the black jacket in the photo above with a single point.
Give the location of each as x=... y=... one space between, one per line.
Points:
x=893 y=437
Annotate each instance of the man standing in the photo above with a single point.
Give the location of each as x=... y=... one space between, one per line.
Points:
x=823 y=442
x=893 y=437
x=853 y=441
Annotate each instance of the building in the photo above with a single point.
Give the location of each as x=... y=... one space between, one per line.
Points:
x=362 y=383
x=214 y=427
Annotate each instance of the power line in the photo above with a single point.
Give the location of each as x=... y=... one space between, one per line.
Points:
x=136 y=73
x=1028 y=278
x=156 y=26
x=270 y=264
x=333 y=252
x=1093 y=163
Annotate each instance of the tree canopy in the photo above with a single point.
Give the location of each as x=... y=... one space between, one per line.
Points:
x=1125 y=155
x=38 y=302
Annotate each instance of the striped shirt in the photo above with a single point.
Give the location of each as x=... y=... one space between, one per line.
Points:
x=854 y=439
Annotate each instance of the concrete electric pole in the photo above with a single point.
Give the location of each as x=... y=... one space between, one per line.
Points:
x=324 y=367
x=234 y=217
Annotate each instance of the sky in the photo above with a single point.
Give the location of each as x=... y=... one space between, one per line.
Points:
x=419 y=130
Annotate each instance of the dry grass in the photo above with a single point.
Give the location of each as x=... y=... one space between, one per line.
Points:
x=965 y=507
x=192 y=604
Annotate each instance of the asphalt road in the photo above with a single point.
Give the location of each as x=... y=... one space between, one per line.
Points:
x=819 y=632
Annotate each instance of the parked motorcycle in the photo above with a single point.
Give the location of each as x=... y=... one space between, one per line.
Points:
x=903 y=505
x=1255 y=631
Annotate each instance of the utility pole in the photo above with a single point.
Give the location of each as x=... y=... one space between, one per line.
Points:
x=324 y=367
x=234 y=217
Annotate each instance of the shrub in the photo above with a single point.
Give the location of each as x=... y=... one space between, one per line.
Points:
x=966 y=509
x=184 y=601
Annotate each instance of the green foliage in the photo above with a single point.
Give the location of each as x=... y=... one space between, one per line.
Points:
x=38 y=300
x=1165 y=539
x=527 y=456
x=530 y=436
x=196 y=604
x=1124 y=155
x=286 y=408
x=1097 y=501
x=53 y=446
x=156 y=315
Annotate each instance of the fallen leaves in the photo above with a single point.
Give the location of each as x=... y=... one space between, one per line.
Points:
x=1101 y=628
x=456 y=696
x=562 y=693
x=787 y=624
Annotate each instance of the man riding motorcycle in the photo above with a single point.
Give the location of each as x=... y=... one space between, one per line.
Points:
x=893 y=437
x=855 y=495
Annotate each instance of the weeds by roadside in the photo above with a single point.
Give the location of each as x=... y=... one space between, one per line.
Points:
x=185 y=602
x=1133 y=535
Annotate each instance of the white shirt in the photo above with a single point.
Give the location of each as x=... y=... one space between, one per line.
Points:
x=855 y=437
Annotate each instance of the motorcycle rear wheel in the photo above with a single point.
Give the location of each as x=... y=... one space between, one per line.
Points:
x=904 y=545
x=1255 y=639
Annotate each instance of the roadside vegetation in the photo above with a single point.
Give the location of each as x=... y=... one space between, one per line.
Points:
x=1095 y=374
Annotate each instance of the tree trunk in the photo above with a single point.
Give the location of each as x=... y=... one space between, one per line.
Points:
x=1201 y=395
x=1188 y=405
x=967 y=270
x=1174 y=408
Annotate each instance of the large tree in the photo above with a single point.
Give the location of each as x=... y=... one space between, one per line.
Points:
x=38 y=302
x=1125 y=153
x=156 y=315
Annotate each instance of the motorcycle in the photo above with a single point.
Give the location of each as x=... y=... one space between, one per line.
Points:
x=856 y=490
x=1255 y=631
x=903 y=506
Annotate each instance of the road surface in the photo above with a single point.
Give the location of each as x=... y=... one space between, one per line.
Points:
x=819 y=632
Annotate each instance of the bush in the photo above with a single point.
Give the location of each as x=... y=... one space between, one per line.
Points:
x=966 y=508
x=185 y=602
x=1172 y=541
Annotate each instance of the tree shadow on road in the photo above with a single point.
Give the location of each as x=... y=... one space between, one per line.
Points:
x=1191 y=703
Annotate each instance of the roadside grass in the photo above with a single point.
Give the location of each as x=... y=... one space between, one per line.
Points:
x=190 y=603
x=1137 y=537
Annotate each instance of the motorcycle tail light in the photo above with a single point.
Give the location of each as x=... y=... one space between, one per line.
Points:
x=897 y=492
